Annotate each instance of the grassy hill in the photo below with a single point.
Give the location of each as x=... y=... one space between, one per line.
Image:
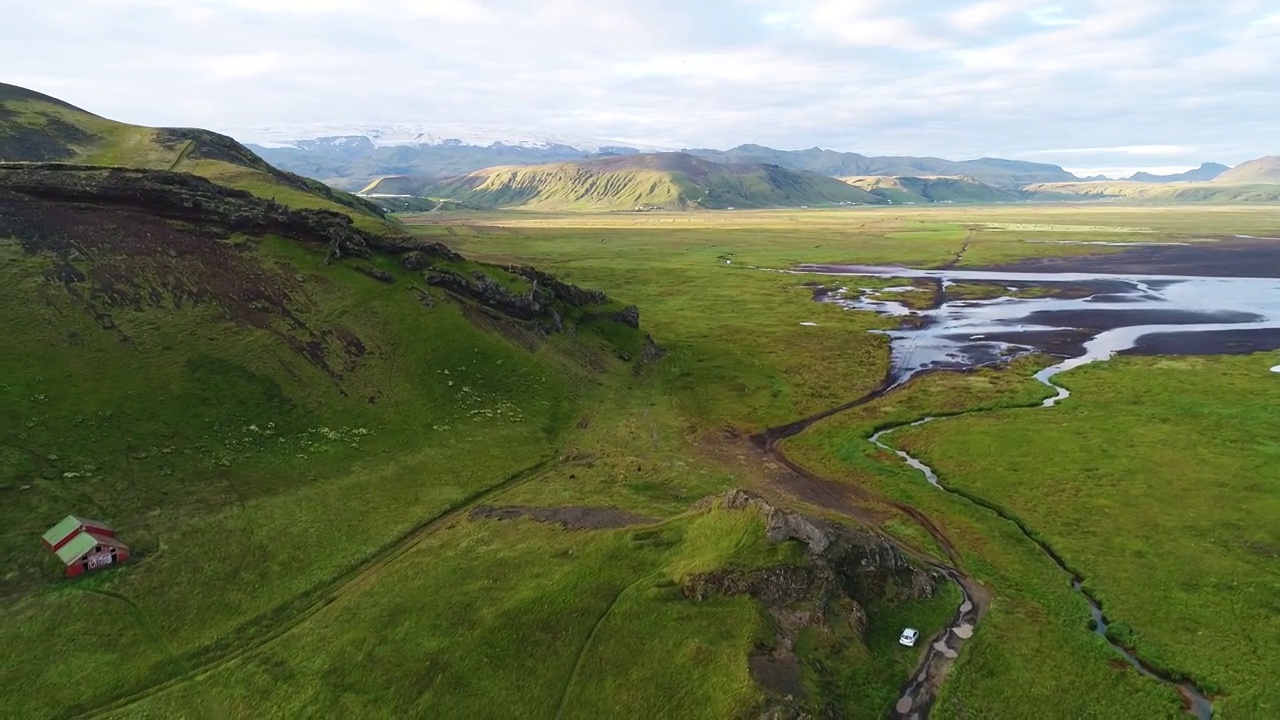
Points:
x=1216 y=191
x=1009 y=174
x=659 y=180
x=957 y=189
x=299 y=419
x=38 y=128
x=1261 y=170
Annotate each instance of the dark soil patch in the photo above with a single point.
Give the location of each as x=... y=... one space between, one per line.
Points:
x=1213 y=342
x=1112 y=319
x=1229 y=258
x=1063 y=342
x=779 y=674
x=573 y=518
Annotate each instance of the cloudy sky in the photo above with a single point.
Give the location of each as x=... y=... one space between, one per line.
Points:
x=1106 y=85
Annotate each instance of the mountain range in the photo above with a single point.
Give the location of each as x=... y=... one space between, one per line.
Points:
x=501 y=167
x=643 y=181
x=362 y=155
x=1204 y=173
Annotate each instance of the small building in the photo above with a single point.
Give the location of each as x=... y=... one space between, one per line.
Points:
x=84 y=545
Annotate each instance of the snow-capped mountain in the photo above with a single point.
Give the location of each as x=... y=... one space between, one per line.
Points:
x=419 y=134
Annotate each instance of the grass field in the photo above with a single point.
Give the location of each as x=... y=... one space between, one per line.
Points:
x=1157 y=481
x=674 y=267
x=302 y=553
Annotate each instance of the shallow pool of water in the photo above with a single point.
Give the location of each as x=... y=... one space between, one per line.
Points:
x=1209 y=314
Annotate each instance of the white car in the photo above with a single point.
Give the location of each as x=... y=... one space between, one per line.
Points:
x=909 y=637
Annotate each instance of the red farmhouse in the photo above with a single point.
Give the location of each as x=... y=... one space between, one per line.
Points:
x=85 y=545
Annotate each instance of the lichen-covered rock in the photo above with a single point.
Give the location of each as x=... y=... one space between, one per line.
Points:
x=377 y=274
x=783 y=526
x=869 y=566
x=414 y=260
x=629 y=316
x=560 y=290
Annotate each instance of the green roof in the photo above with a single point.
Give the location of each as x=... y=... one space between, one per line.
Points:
x=77 y=546
x=59 y=532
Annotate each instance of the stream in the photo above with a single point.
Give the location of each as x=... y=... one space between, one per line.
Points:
x=1105 y=315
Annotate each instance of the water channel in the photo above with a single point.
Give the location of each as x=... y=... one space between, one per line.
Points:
x=1086 y=317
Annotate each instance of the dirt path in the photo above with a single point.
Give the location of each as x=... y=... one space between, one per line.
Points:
x=586 y=644
x=316 y=600
x=187 y=147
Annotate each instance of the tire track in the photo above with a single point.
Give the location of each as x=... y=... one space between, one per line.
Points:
x=586 y=644
x=187 y=147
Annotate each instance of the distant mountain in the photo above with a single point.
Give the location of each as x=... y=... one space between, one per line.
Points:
x=1262 y=170
x=1206 y=171
x=424 y=135
x=991 y=171
x=958 y=189
x=659 y=180
x=1187 y=192
x=349 y=164
x=351 y=156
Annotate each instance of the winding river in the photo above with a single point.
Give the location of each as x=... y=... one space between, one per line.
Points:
x=1115 y=313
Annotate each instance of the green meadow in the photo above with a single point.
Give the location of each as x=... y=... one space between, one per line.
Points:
x=1153 y=482
x=304 y=540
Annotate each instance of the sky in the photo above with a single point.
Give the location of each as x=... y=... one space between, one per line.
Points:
x=1097 y=86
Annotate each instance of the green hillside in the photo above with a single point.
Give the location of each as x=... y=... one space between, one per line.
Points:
x=406 y=185
x=1009 y=174
x=1261 y=170
x=659 y=180
x=1187 y=192
x=299 y=419
x=958 y=189
x=37 y=128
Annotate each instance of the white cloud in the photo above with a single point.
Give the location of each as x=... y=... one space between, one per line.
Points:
x=1105 y=81
x=981 y=16
x=1051 y=15
x=1119 y=150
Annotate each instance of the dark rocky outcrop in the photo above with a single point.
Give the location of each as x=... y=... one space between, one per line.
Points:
x=847 y=569
x=652 y=351
x=549 y=302
x=562 y=291
x=869 y=566
x=215 y=211
x=209 y=145
x=376 y=274
x=192 y=199
x=415 y=260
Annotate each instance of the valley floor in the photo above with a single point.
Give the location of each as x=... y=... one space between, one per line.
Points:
x=316 y=552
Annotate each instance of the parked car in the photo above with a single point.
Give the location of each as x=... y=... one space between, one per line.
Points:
x=909 y=637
